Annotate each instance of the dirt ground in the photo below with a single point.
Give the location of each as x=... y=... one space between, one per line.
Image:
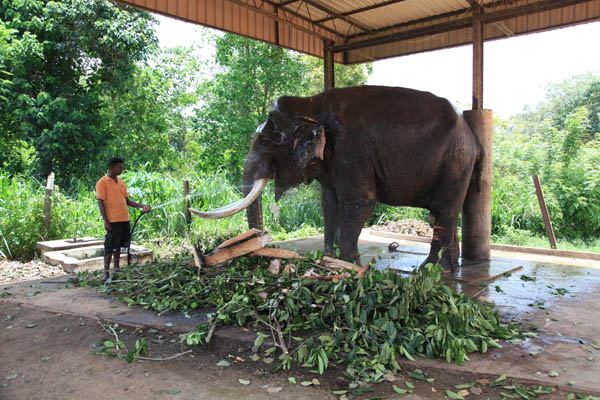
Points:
x=48 y=355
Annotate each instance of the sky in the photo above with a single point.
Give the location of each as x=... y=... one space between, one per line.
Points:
x=516 y=70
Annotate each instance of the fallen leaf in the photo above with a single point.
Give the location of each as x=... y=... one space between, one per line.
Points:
x=316 y=382
x=572 y=383
x=275 y=389
x=476 y=391
x=306 y=383
x=168 y=324
x=390 y=377
x=553 y=374
x=453 y=395
x=292 y=380
x=223 y=363
x=31 y=326
x=13 y=376
x=268 y=360
x=243 y=381
x=255 y=357
x=463 y=392
x=400 y=390
x=174 y=391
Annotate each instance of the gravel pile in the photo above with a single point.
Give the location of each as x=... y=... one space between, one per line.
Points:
x=406 y=227
x=14 y=271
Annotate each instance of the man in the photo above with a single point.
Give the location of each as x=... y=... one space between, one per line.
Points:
x=113 y=200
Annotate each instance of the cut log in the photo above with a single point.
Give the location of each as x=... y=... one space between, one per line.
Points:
x=333 y=263
x=197 y=257
x=243 y=236
x=221 y=255
x=364 y=270
x=277 y=253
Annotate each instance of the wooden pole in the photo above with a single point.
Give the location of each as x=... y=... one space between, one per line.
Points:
x=477 y=58
x=328 y=65
x=545 y=214
x=477 y=209
x=186 y=202
x=47 y=217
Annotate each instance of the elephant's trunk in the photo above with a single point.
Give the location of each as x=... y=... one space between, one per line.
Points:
x=254 y=210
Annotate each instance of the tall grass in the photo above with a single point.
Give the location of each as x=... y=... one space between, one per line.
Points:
x=515 y=214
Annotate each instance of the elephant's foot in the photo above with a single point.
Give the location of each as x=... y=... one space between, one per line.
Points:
x=445 y=261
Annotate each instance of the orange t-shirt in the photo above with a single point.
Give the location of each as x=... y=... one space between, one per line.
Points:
x=114 y=195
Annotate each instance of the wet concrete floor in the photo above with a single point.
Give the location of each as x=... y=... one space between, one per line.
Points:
x=558 y=299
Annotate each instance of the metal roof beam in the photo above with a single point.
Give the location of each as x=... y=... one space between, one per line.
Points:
x=488 y=17
x=293 y=13
x=317 y=4
x=360 y=10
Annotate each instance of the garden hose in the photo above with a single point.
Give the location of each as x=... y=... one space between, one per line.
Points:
x=131 y=237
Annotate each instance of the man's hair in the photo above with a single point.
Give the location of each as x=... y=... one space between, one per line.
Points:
x=114 y=161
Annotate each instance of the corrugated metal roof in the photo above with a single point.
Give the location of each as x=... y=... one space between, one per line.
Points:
x=368 y=30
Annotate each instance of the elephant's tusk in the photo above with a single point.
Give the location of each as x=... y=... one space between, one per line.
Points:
x=236 y=207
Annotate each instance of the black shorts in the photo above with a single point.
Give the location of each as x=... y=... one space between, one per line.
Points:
x=118 y=237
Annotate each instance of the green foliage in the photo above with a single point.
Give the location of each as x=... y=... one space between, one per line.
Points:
x=151 y=112
x=556 y=142
x=60 y=59
x=249 y=76
x=371 y=322
x=21 y=212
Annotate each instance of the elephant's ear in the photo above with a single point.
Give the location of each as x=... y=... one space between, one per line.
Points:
x=309 y=143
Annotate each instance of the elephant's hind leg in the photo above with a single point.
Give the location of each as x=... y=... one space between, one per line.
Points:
x=444 y=240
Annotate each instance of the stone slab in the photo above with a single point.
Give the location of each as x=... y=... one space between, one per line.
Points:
x=91 y=257
x=66 y=244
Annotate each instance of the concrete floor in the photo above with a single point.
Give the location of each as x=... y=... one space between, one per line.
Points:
x=563 y=302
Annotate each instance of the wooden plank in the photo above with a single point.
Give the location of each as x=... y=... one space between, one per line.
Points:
x=243 y=236
x=497 y=276
x=238 y=250
x=364 y=270
x=277 y=253
x=545 y=214
x=343 y=263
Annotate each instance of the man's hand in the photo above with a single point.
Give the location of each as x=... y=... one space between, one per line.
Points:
x=146 y=208
x=107 y=226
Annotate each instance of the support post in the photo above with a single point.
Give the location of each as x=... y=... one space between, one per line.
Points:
x=47 y=216
x=544 y=209
x=477 y=58
x=328 y=65
x=186 y=202
x=477 y=208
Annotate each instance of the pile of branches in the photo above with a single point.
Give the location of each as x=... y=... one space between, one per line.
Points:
x=369 y=322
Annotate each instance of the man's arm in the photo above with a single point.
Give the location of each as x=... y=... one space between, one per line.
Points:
x=131 y=203
x=104 y=217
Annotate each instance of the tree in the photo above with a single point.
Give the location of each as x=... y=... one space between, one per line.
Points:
x=249 y=77
x=63 y=59
x=152 y=112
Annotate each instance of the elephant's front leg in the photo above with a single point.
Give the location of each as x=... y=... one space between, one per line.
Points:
x=355 y=209
x=329 y=208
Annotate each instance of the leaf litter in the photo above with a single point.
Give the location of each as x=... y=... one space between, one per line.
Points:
x=370 y=323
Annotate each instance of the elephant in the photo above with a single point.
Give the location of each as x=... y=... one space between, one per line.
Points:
x=366 y=144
